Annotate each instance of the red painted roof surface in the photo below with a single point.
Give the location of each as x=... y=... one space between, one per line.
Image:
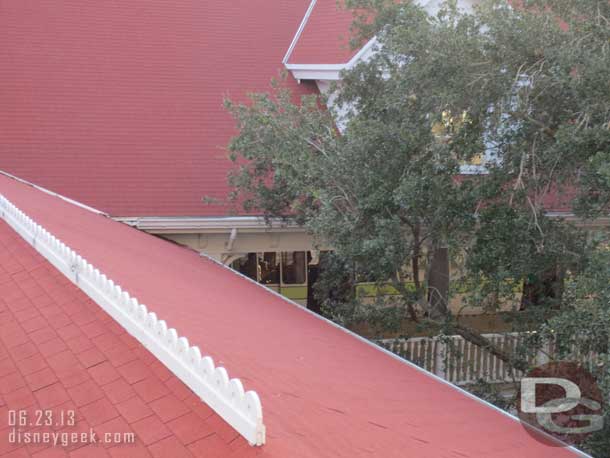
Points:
x=119 y=105
x=326 y=36
x=324 y=392
x=60 y=352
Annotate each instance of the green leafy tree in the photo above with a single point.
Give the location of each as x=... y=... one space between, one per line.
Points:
x=525 y=90
x=582 y=330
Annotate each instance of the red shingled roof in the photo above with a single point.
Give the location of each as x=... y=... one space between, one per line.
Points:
x=325 y=393
x=61 y=352
x=119 y=105
x=325 y=37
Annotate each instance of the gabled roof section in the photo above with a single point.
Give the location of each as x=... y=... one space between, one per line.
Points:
x=324 y=35
x=325 y=391
x=321 y=47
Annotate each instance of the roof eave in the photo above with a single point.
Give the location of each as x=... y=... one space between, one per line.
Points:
x=330 y=71
x=188 y=224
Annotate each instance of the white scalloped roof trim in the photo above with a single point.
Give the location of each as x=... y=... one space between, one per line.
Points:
x=242 y=410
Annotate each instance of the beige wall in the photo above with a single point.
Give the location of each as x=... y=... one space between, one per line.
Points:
x=220 y=247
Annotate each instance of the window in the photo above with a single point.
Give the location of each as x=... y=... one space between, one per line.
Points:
x=269 y=268
x=261 y=267
x=247 y=265
x=448 y=125
x=294 y=264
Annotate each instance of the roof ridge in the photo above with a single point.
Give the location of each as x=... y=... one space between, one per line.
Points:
x=55 y=194
x=242 y=410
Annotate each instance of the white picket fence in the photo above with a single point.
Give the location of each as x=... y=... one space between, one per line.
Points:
x=460 y=361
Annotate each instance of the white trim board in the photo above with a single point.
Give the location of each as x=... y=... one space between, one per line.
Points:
x=189 y=224
x=329 y=71
x=241 y=409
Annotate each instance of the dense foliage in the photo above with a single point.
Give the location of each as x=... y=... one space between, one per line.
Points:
x=582 y=328
x=520 y=95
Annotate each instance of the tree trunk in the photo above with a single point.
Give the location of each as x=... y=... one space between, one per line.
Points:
x=438 y=283
x=438 y=303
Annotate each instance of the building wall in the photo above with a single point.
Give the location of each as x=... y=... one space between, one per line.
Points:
x=220 y=247
x=228 y=244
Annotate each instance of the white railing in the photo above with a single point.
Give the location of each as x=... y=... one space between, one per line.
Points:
x=242 y=410
x=460 y=361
